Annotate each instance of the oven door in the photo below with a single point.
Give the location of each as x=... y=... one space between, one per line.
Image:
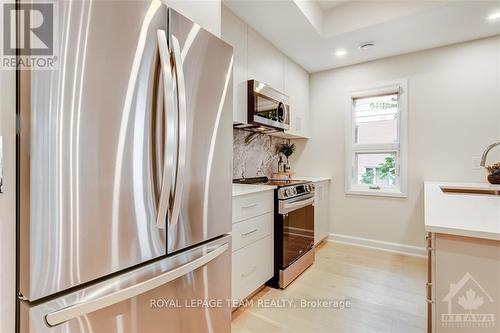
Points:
x=298 y=227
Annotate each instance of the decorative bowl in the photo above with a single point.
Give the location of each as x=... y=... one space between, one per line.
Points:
x=494 y=179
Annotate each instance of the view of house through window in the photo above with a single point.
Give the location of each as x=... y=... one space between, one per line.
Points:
x=376 y=119
x=375 y=142
x=376 y=169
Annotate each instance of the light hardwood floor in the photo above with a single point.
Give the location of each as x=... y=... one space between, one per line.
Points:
x=387 y=294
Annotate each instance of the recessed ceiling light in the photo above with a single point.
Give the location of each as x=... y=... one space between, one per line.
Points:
x=366 y=45
x=340 y=53
x=494 y=16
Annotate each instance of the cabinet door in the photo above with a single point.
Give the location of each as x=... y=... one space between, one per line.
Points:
x=318 y=213
x=252 y=267
x=466 y=284
x=325 y=210
x=234 y=32
x=265 y=62
x=321 y=211
x=297 y=87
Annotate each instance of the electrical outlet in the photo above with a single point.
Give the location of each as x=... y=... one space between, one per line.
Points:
x=476 y=161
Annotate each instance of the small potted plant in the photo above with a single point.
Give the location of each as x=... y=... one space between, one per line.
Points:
x=494 y=173
x=287 y=150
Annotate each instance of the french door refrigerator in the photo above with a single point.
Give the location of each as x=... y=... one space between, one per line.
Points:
x=124 y=175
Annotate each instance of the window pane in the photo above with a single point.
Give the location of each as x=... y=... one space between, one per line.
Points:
x=376 y=119
x=376 y=169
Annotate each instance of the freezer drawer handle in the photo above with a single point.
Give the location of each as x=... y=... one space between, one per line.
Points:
x=85 y=307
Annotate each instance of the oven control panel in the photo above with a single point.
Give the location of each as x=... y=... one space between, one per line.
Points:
x=295 y=190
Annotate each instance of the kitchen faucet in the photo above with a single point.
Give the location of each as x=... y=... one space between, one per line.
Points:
x=486 y=151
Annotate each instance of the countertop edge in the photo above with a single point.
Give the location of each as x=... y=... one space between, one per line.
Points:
x=463 y=232
x=312 y=179
x=244 y=189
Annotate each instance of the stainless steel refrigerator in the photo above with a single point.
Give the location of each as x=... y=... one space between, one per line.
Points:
x=124 y=173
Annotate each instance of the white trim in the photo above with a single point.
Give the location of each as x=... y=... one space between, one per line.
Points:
x=401 y=190
x=385 y=192
x=409 y=250
x=381 y=89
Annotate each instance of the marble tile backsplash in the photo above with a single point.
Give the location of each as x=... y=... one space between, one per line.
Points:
x=257 y=158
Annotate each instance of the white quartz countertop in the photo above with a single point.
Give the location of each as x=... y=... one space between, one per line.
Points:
x=312 y=179
x=472 y=215
x=242 y=189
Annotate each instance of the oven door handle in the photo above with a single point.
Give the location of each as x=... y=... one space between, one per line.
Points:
x=289 y=207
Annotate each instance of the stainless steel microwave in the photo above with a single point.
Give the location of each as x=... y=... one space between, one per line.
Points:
x=267 y=107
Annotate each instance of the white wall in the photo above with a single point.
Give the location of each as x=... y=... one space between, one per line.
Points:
x=454 y=112
x=7 y=202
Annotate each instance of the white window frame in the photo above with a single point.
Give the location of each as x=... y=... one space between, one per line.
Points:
x=401 y=187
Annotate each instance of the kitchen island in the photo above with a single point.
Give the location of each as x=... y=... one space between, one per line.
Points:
x=462 y=221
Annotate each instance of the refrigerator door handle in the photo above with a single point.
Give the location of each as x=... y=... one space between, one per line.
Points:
x=182 y=146
x=1 y=164
x=85 y=307
x=169 y=130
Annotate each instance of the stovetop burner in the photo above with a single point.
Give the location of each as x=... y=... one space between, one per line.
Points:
x=268 y=181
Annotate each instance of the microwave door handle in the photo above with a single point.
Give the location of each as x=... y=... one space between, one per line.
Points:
x=85 y=307
x=169 y=130
x=288 y=207
x=182 y=128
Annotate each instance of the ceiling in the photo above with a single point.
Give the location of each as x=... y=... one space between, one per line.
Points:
x=329 y=4
x=312 y=31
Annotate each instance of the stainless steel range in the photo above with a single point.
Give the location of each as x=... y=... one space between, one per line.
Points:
x=293 y=227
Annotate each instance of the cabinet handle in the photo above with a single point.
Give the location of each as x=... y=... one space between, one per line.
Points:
x=250 y=206
x=249 y=233
x=429 y=248
x=429 y=301
x=250 y=272
x=428 y=284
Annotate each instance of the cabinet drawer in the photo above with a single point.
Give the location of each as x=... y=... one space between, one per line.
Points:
x=251 y=205
x=252 y=267
x=249 y=231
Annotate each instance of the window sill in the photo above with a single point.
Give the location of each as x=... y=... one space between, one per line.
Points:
x=395 y=193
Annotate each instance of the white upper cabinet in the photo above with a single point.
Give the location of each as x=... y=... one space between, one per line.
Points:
x=234 y=32
x=265 y=63
x=297 y=87
x=255 y=58
x=206 y=13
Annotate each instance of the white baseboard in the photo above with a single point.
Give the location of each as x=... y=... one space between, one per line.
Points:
x=409 y=250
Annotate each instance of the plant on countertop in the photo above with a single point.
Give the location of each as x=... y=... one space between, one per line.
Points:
x=494 y=173
x=494 y=169
x=287 y=149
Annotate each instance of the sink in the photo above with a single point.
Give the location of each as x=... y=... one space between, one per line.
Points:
x=486 y=190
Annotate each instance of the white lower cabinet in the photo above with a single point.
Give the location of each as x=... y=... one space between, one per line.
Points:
x=252 y=267
x=463 y=287
x=251 y=230
x=321 y=211
x=252 y=242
